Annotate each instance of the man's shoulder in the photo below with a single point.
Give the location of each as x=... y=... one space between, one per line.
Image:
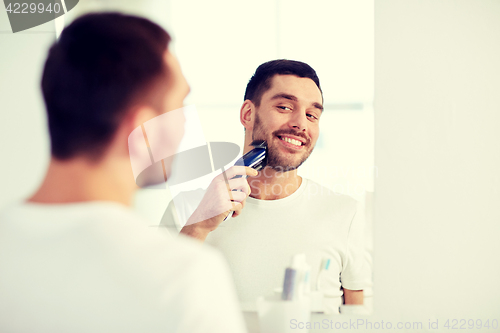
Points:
x=117 y=255
x=114 y=236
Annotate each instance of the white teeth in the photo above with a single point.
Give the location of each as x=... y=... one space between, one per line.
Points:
x=292 y=141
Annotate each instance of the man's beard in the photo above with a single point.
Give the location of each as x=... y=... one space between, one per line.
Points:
x=274 y=159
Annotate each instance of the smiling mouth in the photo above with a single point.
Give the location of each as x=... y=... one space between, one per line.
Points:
x=291 y=141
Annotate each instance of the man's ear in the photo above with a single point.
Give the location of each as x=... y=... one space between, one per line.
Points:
x=247 y=114
x=140 y=115
x=134 y=119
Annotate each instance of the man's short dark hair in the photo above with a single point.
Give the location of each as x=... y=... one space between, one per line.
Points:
x=101 y=66
x=261 y=80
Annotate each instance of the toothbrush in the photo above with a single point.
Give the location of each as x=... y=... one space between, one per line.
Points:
x=325 y=264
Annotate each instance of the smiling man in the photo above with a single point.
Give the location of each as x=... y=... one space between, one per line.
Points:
x=285 y=213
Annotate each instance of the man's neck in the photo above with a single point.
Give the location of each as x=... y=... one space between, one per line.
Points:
x=79 y=180
x=272 y=185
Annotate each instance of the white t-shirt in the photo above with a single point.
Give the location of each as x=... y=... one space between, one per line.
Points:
x=260 y=242
x=95 y=267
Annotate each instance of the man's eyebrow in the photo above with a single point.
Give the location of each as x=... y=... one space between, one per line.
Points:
x=318 y=106
x=285 y=96
x=295 y=99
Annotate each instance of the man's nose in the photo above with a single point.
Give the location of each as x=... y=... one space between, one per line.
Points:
x=298 y=121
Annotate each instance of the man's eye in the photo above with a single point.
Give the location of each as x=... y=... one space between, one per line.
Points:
x=312 y=116
x=286 y=108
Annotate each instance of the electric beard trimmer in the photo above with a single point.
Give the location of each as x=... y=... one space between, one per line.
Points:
x=255 y=158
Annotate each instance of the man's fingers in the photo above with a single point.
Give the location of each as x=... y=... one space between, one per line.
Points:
x=251 y=172
x=240 y=184
x=237 y=209
x=237 y=186
x=238 y=170
x=238 y=196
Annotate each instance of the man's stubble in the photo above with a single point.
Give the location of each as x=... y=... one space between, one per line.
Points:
x=274 y=159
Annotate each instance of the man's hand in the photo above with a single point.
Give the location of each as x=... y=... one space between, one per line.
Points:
x=225 y=194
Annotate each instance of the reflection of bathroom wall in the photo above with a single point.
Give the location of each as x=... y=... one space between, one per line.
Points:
x=220 y=49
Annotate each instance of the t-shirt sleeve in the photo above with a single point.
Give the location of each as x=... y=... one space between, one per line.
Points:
x=355 y=273
x=210 y=302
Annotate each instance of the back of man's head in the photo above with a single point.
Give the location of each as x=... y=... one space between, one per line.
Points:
x=102 y=65
x=261 y=80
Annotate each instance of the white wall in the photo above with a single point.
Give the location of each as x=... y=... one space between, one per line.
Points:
x=24 y=146
x=437 y=196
